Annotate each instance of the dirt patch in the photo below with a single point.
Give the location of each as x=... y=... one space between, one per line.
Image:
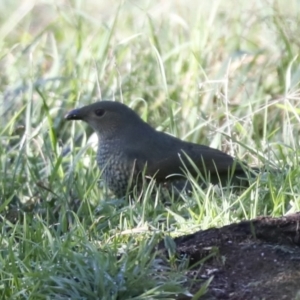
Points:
x=257 y=259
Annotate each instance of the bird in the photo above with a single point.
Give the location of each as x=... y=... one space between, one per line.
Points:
x=130 y=152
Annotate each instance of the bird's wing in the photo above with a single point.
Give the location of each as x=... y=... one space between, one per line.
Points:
x=195 y=159
x=175 y=156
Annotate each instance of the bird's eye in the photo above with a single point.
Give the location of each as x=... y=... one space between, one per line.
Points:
x=99 y=112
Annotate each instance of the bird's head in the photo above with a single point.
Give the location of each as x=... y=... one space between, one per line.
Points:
x=107 y=117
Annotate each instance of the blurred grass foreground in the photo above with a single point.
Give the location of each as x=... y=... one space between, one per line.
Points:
x=221 y=73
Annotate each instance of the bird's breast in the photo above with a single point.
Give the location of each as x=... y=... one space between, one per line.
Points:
x=117 y=170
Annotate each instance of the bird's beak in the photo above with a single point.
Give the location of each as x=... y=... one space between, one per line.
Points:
x=74 y=114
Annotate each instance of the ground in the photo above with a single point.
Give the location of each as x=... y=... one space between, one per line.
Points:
x=257 y=259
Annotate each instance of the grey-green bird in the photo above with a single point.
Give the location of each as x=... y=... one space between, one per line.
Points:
x=130 y=150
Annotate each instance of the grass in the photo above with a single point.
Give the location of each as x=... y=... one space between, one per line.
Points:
x=221 y=74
